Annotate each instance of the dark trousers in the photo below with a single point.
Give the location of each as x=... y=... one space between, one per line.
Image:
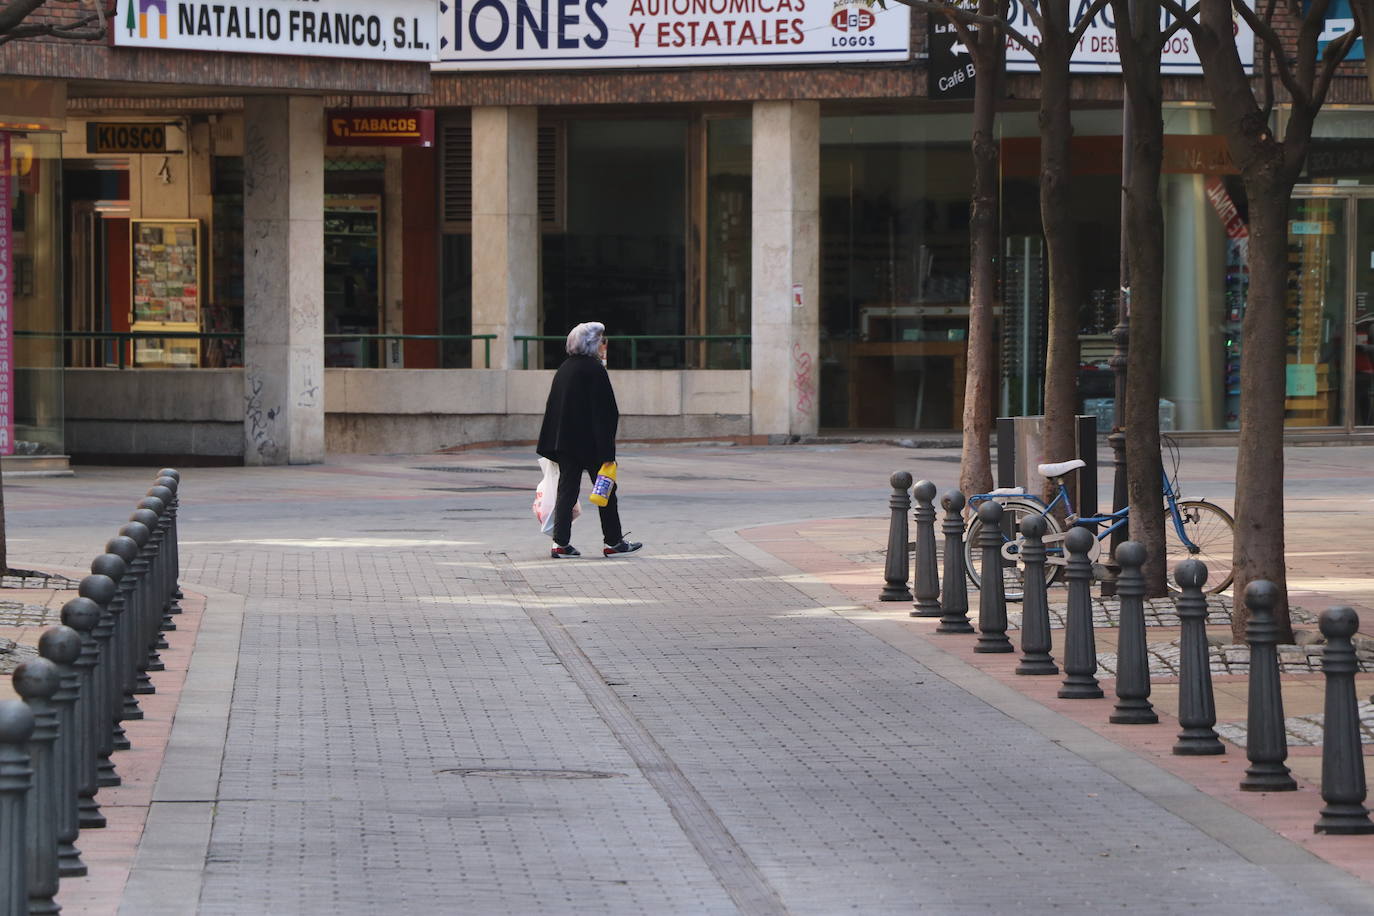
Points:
x=569 y=484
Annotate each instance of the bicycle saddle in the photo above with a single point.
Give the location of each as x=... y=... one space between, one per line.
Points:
x=1061 y=468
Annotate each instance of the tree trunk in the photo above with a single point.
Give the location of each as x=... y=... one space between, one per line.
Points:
x=1259 y=551
x=1145 y=238
x=4 y=545
x=1056 y=132
x=980 y=380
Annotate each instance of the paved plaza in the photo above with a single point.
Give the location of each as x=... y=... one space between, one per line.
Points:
x=384 y=697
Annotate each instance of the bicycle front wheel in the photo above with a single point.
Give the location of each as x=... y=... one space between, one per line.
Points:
x=1013 y=511
x=1211 y=536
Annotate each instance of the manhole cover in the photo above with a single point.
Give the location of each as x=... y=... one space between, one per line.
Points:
x=512 y=773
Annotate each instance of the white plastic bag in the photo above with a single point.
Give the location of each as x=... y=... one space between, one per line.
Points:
x=546 y=496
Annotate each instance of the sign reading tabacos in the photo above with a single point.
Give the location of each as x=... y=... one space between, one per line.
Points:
x=321 y=28
x=558 y=34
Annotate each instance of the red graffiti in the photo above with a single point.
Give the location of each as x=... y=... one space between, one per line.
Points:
x=802 y=382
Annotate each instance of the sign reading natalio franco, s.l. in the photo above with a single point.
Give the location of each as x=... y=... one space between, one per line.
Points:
x=398 y=30
x=559 y=34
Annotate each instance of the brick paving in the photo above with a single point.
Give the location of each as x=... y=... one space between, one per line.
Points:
x=425 y=714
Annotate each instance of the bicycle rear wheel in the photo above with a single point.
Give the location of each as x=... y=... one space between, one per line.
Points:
x=1212 y=532
x=1013 y=511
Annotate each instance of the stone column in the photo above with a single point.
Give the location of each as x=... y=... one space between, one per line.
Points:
x=785 y=298
x=283 y=279
x=505 y=232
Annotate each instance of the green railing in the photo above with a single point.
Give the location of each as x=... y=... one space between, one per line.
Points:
x=485 y=338
x=124 y=338
x=635 y=339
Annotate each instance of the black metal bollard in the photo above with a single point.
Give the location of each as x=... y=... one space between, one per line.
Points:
x=1035 y=607
x=145 y=659
x=171 y=479
x=1133 y=705
x=36 y=680
x=126 y=634
x=160 y=539
x=1343 y=782
x=101 y=589
x=16 y=725
x=992 y=597
x=1080 y=645
x=111 y=566
x=927 y=566
x=149 y=513
x=82 y=615
x=954 y=597
x=1266 y=744
x=61 y=645
x=1197 y=710
x=165 y=489
x=898 y=570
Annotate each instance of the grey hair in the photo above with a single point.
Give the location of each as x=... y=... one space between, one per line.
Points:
x=585 y=339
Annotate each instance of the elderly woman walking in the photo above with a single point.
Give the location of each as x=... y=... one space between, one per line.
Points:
x=578 y=435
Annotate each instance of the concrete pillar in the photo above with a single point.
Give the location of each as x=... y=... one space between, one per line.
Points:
x=1193 y=359
x=283 y=279
x=505 y=231
x=785 y=296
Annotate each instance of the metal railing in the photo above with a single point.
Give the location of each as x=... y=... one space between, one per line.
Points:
x=124 y=339
x=634 y=340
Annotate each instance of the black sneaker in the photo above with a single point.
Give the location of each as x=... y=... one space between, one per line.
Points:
x=567 y=551
x=623 y=547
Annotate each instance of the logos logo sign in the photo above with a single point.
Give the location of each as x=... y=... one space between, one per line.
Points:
x=858 y=20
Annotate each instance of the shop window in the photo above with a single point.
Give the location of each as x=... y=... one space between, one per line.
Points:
x=729 y=237
x=621 y=257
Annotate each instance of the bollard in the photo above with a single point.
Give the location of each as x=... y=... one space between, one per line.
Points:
x=82 y=615
x=1080 y=646
x=36 y=680
x=127 y=633
x=165 y=489
x=145 y=659
x=954 y=598
x=171 y=479
x=61 y=645
x=1266 y=745
x=101 y=590
x=149 y=513
x=16 y=725
x=992 y=597
x=897 y=570
x=1035 y=606
x=1133 y=705
x=159 y=528
x=927 y=567
x=1197 y=711
x=111 y=566
x=1343 y=782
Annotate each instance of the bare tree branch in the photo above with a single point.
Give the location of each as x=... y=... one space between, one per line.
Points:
x=1332 y=57
x=1083 y=23
x=15 y=12
x=968 y=16
x=1265 y=32
x=13 y=24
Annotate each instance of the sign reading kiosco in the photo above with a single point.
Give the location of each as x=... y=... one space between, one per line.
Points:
x=399 y=30
x=558 y=34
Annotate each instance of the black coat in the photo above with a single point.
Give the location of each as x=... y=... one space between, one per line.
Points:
x=581 y=416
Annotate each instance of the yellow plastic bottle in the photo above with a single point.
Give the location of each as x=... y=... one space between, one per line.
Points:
x=605 y=480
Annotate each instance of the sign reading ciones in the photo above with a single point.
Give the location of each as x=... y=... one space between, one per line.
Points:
x=558 y=34
x=399 y=30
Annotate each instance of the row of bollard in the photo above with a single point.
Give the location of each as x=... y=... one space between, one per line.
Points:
x=1343 y=781
x=56 y=742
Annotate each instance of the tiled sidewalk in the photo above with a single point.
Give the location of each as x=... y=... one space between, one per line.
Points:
x=842 y=552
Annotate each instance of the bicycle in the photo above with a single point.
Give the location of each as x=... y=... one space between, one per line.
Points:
x=1194 y=529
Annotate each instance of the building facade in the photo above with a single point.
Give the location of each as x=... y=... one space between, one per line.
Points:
x=772 y=222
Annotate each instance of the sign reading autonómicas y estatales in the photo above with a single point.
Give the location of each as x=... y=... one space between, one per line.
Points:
x=399 y=30
x=559 y=34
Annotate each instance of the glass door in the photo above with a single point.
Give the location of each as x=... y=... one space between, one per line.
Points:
x=1362 y=338
x=1318 y=258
